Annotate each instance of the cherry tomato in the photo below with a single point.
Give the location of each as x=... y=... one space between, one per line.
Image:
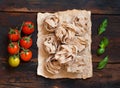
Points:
x=14 y=35
x=14 y=61
x=13 y=48
x=26 y=42
x=28 y=27
x=26 y=55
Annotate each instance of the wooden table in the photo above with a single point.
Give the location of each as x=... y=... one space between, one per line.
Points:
x=14 y=12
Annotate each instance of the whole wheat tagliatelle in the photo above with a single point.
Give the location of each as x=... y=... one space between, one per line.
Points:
x=64 y=44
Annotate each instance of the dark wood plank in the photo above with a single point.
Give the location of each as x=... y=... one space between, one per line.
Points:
x=9 y=20
x=112 y=33
x=13 y=20
x=96 y=6
x=25 y=75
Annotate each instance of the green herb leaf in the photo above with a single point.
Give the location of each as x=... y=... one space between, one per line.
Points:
x=100 y=51
x=102 y=27
x=104 y=42
x=103 y=63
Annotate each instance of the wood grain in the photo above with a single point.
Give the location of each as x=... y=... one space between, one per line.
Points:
x=25 y=77
x=9 y=20
x=14 y=12
x=96 y=6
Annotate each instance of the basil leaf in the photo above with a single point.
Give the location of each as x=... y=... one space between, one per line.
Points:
x=100 y=51
x=103 y=63
x=104 y=42
x=102 y=27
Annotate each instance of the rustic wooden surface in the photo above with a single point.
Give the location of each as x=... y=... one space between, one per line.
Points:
x=14 y=12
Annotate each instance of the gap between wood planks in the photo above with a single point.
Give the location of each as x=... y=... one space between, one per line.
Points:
x=36 y=11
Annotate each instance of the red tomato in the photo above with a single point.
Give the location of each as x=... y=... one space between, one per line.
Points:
x=13 y=48
x=26 y=55
x=14 y=35
x=28 y=27
x=26 y=42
